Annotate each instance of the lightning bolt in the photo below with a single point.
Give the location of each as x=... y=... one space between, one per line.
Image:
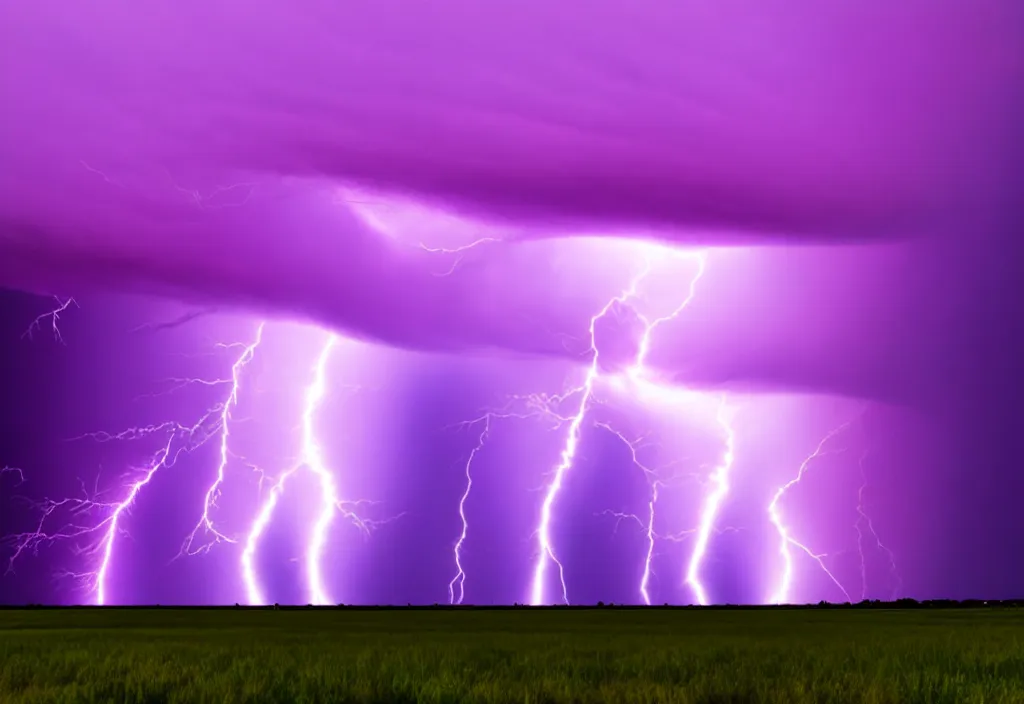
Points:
x=712 y=504
x=646 y=525
x=720 y=477
x=329 y=501
x=180 y=439
x=459 y=581
x=645 y=578
x=865 y=527
x=54 y=318
x=14 y=472
x=459 y=252
x=568 y=454
x=213 y=492
x=639 y=375
x=787 y=541
x=311 y=460
x=253 y=590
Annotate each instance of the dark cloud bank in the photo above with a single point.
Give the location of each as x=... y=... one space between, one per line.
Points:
x=194 y=150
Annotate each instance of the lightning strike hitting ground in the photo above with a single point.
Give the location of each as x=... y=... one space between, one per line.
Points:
x=459 y=581
x=181 y=438
x=648 y=524
x=253 y=590
x=311 y=459
x=720 y=477
x=865 y=527
x=637 y=373
x=645 y=579
x=104 y=532
x=330 y=501
x=568 y=456
x=782 y=592
x=712 y=504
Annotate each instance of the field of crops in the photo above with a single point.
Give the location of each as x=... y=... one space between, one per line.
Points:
x=665 y=656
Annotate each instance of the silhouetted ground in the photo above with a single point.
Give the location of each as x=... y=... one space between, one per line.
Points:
x=814 y=655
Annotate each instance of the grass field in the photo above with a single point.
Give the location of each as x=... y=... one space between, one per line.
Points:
x=665 y=656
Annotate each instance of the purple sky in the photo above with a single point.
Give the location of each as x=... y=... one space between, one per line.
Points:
x=857 y=164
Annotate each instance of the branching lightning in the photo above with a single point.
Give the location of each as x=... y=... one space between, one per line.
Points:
x=638 y=374
x=97 y=523
x=568 y=456
x=213 y=492
x=102 y=533
x=54 y=317
x=787 y=541
x=646 y=524
x=865 y=527
x=313 y=461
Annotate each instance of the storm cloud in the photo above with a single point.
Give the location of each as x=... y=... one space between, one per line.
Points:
x=200 y=151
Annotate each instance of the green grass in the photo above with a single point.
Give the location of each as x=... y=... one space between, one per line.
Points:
x=791 y=656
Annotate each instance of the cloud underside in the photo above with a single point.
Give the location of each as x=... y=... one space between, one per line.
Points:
x=203 y=151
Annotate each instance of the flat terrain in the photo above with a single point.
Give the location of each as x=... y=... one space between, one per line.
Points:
x=722 y=656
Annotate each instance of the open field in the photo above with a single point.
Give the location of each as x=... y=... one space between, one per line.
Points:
x=347 y=655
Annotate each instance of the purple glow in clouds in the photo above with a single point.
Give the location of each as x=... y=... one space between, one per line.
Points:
x=211 y=173
x=632 y=381
x=731 y=226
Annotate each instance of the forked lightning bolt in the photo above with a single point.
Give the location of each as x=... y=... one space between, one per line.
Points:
x=180 y=438
x=720 y=476
x=640 y=377
x=865 y=527
x=100 y=522
x=54 y=317
x=331 y=503
x=786 y=539
x=102 y=533
x=213 y=492
x=646 y=524
x=568 y=455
